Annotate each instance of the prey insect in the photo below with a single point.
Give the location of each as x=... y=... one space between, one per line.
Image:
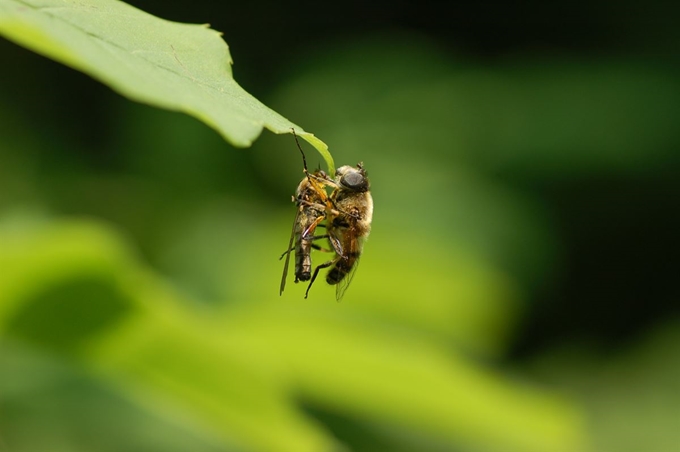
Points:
x=312 y=203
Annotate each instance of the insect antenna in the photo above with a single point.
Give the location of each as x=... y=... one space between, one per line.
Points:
x=304 y=160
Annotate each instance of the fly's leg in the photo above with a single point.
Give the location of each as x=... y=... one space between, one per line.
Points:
x=318 y=205
x=336 y=243
x=316 y=272
x=311 y=228
x=316 y=237
x=286 y=252
x=314 y=245
x=319 y=248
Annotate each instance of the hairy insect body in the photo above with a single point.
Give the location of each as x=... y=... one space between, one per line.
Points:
x=347 y=238
x=349 y=223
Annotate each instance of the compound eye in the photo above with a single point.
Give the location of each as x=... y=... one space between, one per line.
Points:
x=354 y=180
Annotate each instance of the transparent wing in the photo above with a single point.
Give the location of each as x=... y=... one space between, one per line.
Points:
x=342 y=286
x=288 y=252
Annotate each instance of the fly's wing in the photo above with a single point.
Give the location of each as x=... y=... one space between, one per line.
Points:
x=287 y=253
x=336 y=242
x=342 y=286
x=353 y=247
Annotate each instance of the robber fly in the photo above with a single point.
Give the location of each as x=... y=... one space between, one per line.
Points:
x=349 y=211
x=312 y=205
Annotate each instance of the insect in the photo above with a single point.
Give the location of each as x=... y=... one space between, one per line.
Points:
x=312 y=205
x=349 y=212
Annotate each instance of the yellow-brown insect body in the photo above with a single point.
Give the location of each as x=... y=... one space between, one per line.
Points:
x=311 y=199
x=313 y=207
x=349 y=223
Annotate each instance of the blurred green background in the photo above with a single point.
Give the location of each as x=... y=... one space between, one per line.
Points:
x=518 y=291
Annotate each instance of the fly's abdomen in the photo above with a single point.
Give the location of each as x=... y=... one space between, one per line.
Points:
x=303 y=243
x=303 y=260
x=341 y=269
x=336 y=275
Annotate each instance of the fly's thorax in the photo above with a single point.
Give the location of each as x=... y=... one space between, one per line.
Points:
x=354 y=207
x=352 y=203
x=367 y=204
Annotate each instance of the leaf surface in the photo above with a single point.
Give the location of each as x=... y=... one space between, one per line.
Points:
x=74 y=289
x=176 y=66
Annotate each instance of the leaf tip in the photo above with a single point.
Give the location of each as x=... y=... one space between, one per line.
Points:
x=321 y=147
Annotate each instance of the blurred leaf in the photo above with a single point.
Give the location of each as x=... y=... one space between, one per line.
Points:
x=240 y=374
x=441 y=136
x=526 y=118
x=224 y=251
x=170 y=65
x=171 y=364
x=376 y=374
x=45 y=404
x=632 y=397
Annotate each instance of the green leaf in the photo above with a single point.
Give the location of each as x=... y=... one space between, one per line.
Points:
x=181 y=67
x=213 y=387
x=242 y=373
x=112 y=422
x=632 y=396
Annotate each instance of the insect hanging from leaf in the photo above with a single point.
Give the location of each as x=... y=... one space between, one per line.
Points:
x=347 y=212
x=312 y=203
